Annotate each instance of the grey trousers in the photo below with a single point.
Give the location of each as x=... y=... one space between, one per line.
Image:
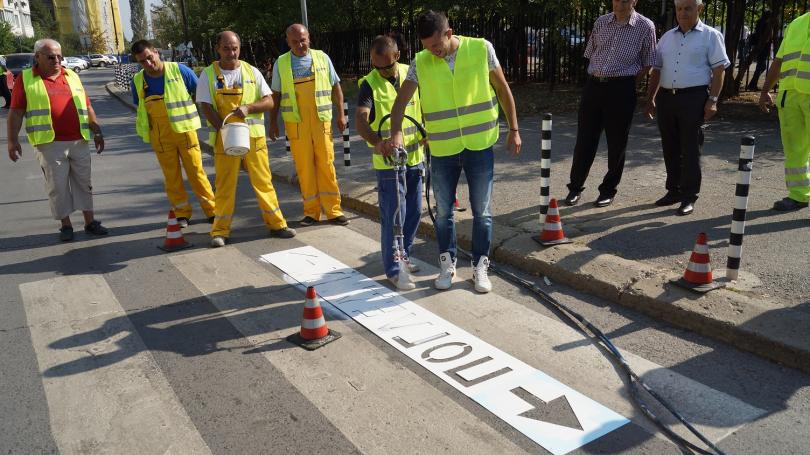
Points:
x=66 y=167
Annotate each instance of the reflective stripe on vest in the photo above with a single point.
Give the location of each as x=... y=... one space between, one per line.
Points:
x=460 y=107
x=250 y=94
x=38 y=122
x=180 y=108
x=384 y=94
x=323 y=87
x=795 y=70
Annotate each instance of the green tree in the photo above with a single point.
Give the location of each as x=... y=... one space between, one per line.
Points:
x=137 y=19
x=42 y=19
x=8 y=42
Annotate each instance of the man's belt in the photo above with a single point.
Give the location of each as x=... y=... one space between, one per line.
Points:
x=676 y=91
x=603 y=79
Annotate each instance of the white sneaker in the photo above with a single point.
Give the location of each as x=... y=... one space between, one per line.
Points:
x=412 y=267
x=447 y=272
x=217 y=241
x=480 y=278
x=402 y=281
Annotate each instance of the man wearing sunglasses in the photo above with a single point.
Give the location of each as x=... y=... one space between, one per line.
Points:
x=59 y=122
x=377 y=93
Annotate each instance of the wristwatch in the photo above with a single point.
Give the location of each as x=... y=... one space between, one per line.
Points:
x=713 y=99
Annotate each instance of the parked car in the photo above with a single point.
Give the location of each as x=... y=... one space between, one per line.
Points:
x=18 y=62
x=571 y=36
x=74 y=63
x=86 y=58
x=101 y=60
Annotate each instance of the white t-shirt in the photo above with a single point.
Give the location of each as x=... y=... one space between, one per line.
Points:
x=492 y=62
x=232 y=78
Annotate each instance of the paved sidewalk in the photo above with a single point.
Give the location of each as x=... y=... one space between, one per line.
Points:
x=628 y=252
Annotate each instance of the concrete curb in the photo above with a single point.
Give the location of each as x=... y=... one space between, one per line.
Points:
x=773 y=332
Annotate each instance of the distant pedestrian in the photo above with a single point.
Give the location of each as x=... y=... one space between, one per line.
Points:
x=621 y=50
x=791 y=68
x=306 y=88
x=683 y=90
x=760 y=44
x=59 y=122
x=4 y=91
x=461 y=84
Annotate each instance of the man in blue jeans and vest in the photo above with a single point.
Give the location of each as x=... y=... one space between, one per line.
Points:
x=460 y=82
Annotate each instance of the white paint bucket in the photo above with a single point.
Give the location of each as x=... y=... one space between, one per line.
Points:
x=235 y=137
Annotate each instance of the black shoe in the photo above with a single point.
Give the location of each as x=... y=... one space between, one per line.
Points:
x=183 y=222
x=211 y=219
x=573 y=197
x=788 y=205
x=95 y=228
x=686 y=208
x=307 y=221
x=66 y=233
x=339 y=220
x=603 y=201
x=283 y=233
x=669 y=199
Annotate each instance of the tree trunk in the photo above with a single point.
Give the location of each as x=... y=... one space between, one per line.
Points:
x=735 y=18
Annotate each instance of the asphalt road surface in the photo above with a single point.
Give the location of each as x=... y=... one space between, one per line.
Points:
x=112 y=346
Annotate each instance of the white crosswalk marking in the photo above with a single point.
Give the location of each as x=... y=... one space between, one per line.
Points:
x=105 y=392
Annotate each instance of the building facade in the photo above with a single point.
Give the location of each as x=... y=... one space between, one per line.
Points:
x=92 y=20
x=17 y=14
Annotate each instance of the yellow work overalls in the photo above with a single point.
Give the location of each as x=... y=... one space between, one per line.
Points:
x=257 y=165
x=314 y=155
x=172 y=148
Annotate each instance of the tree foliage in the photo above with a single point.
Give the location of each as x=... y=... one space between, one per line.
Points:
x=137 y=19
x=8 y=42
x=45 y=25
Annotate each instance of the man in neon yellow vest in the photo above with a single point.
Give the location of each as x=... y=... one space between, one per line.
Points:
x=460 y=83
x=58 y=121
x=305 y=88
x=791 y=68
x=232 y=86
x=377 y=93
x=167 y=118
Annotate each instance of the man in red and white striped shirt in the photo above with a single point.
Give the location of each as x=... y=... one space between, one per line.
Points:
x=621 y=50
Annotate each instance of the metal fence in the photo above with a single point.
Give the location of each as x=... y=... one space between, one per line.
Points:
x=124 y=73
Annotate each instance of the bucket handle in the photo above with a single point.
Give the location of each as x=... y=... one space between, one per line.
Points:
x=226 y=119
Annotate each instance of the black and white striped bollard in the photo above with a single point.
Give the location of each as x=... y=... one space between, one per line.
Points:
x=740 y=206
x=347 y=153
x=545 y=165
x=287 y=143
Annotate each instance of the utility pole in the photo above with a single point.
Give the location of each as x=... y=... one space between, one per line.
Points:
x=115 y=28
x=303 y=13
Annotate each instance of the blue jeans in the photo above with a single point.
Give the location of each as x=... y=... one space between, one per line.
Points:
x=478 y=166
x=411 y=208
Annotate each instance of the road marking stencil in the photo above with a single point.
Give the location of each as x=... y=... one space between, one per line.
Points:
x=550 y=413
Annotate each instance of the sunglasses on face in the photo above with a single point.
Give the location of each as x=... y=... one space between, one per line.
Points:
x=384 y=68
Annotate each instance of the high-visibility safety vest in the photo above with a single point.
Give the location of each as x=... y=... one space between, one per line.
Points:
x=323 y=87
x=38 y=121
x=250 y=94
x=460 y=108
x=384 y=95
x=179 y=105
x=795 y=49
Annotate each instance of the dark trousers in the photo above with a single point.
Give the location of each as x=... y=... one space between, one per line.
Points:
x=680 y=121
x=607 y=106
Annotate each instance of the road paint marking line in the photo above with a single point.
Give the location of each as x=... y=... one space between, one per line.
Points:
x=105 y=392
x=451 y=350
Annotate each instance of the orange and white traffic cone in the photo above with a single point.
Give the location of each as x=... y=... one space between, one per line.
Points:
x=698 y=274
x=552 y=233
x=314 y=332
x=174 y=236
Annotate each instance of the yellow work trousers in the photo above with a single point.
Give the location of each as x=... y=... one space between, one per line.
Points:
x=175 y=150
x=794 y=122
x=314 y=156
x=257 y=165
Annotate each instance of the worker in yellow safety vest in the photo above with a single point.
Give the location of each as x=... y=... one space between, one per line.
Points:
x=167 y=118
x=305 y=88
x=234 y=86
x=59 y=122
x=460 y=83
x=791 y=68
x=376 y=96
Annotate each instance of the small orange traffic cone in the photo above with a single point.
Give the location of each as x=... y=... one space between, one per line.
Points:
x=698 y=274
x=552 y=233
x=457 y=207
x=174 y=236
x=314 y=332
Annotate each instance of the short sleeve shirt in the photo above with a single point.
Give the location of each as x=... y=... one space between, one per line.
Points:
x=155 y=85
x=492 y=62
x=687 y=59
x=616 y=50
x=302 y=67
x=233 y=78
x=366 y=96
x=64 y=115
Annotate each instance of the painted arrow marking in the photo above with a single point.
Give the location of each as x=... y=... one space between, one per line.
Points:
x=557 y=411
